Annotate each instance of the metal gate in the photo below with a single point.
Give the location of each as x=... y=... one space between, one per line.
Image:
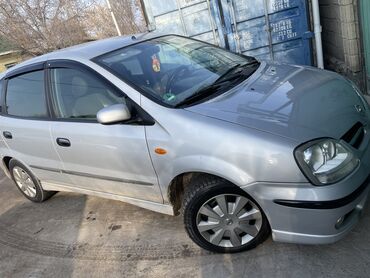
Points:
x=267 y=29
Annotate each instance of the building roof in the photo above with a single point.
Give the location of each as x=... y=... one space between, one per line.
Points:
x=8 y=52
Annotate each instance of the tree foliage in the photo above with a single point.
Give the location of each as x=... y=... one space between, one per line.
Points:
x=129 y=17
x=40 y=26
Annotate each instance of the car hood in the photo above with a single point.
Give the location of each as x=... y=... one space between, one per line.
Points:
x=300 y=103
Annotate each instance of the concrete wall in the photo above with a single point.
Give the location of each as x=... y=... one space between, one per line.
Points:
x=341 y=38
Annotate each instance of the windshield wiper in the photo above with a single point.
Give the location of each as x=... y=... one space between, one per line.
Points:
x=226 y=73
x=231 y=72
x=200 y=94
x=220 y=82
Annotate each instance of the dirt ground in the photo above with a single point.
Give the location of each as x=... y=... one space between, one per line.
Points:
x=74 y=235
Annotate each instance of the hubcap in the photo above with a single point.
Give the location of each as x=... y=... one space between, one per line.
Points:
x=24 y=182
x=229 y=220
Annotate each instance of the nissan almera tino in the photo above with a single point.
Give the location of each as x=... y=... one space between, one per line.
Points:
x=242 y=148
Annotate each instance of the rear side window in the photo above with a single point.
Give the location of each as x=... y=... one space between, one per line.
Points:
x=25 y=95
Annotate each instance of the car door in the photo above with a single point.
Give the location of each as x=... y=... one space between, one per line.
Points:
x=25 y=124
x=105 y=158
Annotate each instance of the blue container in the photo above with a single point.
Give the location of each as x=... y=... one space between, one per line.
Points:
x=267 y=29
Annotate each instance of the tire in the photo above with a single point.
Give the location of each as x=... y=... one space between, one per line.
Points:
x=204 y=197
x=27 y=183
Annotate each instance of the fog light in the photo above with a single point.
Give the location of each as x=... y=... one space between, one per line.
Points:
x=339 y=222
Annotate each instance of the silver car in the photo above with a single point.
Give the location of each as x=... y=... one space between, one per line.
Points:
x=242 y=148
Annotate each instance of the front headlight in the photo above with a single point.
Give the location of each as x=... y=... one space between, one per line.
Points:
x=325 y=161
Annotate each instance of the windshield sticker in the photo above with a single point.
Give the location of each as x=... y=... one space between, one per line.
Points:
x=169 y=97
x=156 y=65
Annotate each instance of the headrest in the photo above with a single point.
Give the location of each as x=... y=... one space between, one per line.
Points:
x=79 y=86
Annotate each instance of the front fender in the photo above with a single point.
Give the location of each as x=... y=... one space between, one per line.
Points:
x=204 y=164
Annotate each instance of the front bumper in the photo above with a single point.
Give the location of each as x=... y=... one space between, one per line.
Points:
x=307 y=214
x=311 y=225
x=322 y=226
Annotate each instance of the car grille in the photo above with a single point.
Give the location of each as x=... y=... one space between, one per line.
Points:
x=355 y=135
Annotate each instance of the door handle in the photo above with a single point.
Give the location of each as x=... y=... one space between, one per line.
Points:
x=63 y=142
x=7 y=135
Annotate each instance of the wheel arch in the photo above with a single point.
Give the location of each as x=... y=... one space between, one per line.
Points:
x=5 y=165
x=176 y=189
x=188 y=167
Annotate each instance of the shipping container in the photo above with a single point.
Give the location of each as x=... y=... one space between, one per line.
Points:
x=267 y=29
x=365 y=24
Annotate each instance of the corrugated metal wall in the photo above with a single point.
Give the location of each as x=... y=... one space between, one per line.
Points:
x=186 y=17
x=266 y=29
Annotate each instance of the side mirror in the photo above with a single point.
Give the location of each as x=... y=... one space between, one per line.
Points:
x=113 y=114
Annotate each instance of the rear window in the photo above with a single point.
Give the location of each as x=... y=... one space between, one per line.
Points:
x=25 y=95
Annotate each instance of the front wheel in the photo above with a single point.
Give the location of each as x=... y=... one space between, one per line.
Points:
x=221 y=217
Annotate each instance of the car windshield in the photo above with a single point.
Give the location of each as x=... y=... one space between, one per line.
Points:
x=178 y=71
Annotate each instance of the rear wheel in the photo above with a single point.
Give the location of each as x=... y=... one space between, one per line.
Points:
x=27 y=183
x=221 y=217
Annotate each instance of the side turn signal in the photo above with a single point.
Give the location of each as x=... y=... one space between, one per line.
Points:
x=160 y=151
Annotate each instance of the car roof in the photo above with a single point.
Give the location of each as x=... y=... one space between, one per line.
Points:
x=87 y=50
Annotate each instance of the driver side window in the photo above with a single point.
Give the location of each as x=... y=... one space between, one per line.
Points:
x=80 y=95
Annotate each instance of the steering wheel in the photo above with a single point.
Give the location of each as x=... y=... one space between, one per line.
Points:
x=174 y=75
